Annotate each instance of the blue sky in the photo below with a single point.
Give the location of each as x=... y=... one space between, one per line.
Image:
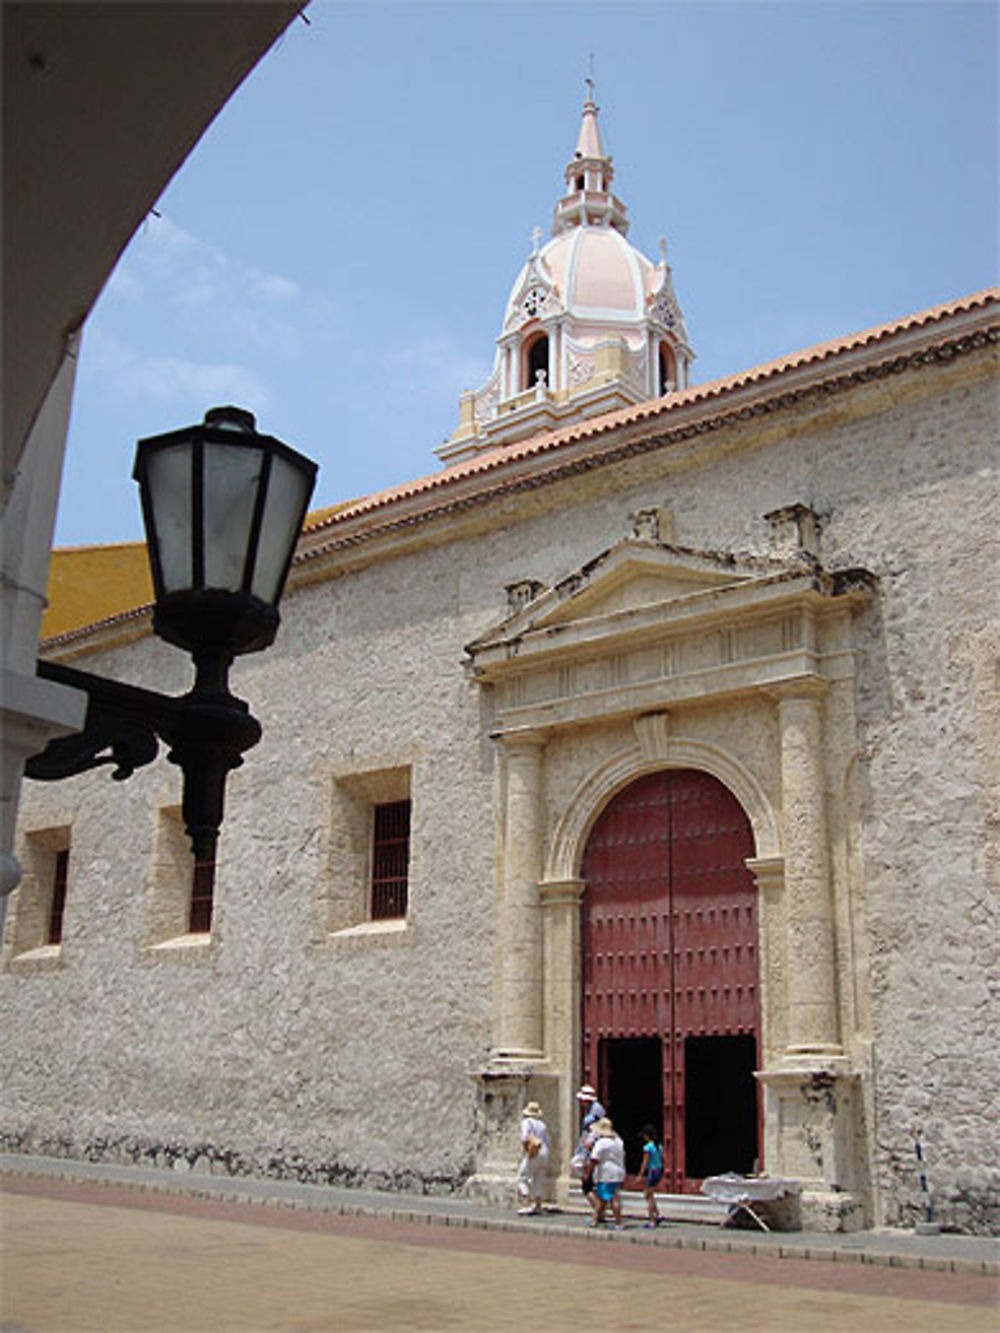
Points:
x=336 y=253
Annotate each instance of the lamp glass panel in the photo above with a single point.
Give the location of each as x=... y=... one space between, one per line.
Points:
x=287 y=497
x=232 y=477
x=168 y=483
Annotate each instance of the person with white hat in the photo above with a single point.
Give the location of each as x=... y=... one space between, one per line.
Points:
x=590 y=1105
x=580 y=1162
x=534 y=1159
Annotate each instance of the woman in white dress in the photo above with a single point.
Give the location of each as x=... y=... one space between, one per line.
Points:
x=534 y=1166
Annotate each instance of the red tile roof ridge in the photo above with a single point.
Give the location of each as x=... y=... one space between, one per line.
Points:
x=92 y=627
x=547 y=440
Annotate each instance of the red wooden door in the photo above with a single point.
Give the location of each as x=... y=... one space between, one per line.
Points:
x=670 y=952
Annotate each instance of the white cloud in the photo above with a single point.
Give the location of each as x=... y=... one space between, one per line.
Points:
x=435 y=365
x=167 y=378
x=197 y=294
x=126 y=375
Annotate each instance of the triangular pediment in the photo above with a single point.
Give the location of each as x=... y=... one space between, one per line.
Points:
x=630 y=575
x=633 y=574
x=641 y=591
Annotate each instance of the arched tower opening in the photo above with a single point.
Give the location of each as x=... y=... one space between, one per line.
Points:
x=536 y=358
x=667 y=369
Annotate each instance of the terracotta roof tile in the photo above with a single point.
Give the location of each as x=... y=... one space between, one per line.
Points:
x=326 y=519
x=550 y=440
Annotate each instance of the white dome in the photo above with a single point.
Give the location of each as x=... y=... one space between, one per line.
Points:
x=596 y=275
x=591 y=324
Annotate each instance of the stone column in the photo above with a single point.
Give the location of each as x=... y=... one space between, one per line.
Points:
x=812 y=999
x=520 y=1034
x=32 y=711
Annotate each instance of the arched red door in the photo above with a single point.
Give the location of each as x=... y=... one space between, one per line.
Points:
x=671 y=1015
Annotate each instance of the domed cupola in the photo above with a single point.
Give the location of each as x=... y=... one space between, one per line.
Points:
x=591 y=324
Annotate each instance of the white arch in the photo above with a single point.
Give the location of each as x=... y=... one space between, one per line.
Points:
x=592 y=795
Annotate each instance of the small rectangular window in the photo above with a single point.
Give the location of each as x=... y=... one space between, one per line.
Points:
x=36 y=919
x=390 y=860
x=57 y=904
x=202 y=897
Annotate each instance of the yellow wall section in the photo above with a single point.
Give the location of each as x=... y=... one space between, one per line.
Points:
x=91 y=583
x=88 y=584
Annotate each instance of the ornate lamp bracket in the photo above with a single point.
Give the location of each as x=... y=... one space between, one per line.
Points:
x=207 y=730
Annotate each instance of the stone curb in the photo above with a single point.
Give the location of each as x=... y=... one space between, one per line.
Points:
x=662 y=1238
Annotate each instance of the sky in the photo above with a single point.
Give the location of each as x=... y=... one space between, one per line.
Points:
x=336 y=253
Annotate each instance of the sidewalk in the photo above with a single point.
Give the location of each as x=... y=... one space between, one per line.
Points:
x=886 y=1248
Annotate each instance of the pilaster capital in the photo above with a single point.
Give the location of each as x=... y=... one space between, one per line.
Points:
x=807 y=689
x=521 y=742
x=561 y=892
x=768 y=872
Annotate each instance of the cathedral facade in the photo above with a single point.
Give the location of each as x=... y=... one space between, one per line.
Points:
x=652 y=741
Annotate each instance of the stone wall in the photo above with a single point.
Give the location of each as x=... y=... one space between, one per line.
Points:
x=300 y=1042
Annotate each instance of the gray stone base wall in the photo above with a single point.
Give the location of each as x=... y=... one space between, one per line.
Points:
x=215 y=1160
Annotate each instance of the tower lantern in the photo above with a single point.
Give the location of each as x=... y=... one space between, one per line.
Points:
x=591 y=323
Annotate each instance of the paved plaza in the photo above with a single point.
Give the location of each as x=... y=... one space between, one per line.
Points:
x=99 y=1254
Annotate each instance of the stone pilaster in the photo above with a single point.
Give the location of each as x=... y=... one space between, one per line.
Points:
x=811 y=1096
x=769 y=876
x=561 y=927
x=520 y=1020
x=811 y=993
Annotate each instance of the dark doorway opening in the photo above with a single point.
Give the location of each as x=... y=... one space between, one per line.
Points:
x=720 y=1129
x=632 y=1077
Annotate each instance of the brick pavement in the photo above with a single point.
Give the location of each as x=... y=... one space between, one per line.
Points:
x=93 y=1256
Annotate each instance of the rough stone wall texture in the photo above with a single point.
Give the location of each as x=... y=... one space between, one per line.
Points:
x=281 y=1047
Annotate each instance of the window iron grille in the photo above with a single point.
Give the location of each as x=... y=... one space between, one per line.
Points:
x=57 y=906
x=202 y=897
x=390 y=860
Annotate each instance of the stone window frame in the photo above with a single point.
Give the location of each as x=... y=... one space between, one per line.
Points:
x=167 y=927
x=344 y=901
x=26 y=937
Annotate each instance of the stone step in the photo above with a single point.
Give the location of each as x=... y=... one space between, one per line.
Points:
x=672 y=1207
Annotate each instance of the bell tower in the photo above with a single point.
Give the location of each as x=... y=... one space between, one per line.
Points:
x=591 y=323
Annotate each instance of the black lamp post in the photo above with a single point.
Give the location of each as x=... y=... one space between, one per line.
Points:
x=223 y=508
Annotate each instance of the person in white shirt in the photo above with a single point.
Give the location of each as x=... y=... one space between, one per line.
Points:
x=534 y=1159
x=608 y=1159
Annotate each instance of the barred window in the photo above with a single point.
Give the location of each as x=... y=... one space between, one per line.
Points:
x=202 y=897
x=57 y=905
x=390 y=860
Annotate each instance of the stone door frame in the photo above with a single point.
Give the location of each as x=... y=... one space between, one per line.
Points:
x=694 y=635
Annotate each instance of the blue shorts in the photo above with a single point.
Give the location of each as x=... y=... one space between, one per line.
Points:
x=607 y=1189
x=653 y=1179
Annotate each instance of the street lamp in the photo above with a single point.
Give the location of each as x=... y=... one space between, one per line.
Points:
x=223 y=507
